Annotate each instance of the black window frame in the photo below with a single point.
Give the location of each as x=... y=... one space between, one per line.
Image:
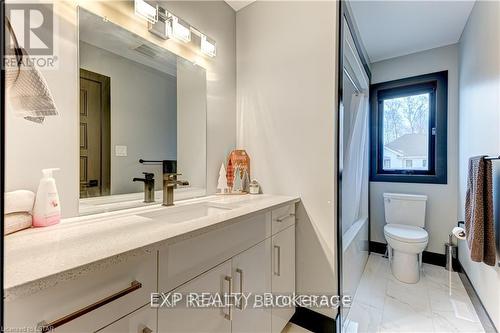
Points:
x=436 y=84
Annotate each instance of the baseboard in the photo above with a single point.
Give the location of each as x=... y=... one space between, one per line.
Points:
x=432 y=258
x=378 y=247
x=483 y=315
x=313 y=321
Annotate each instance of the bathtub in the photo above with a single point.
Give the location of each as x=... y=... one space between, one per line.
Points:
x=354 y=255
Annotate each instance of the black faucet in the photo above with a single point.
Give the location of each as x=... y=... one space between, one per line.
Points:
x=149 y=186
x=169 y=179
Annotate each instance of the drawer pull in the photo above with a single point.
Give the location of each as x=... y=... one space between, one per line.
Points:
x=229 y=315
x=147 y=330
x=47 y=327
x=277 y=260
x=283 y=218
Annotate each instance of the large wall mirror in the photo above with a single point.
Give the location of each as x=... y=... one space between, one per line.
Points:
x=137 y=102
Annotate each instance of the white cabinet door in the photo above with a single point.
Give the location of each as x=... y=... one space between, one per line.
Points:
x=140 y=321
x=283 y=275
x=252 y=276
x=182 y=319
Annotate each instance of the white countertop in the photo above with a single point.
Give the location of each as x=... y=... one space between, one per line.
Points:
x=38 y=258
x=110 y=203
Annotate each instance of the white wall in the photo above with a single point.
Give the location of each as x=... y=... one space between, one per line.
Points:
x=30 y=148
x=143 y=116
x=286 y=71
x=441 y=214
x=479 y=63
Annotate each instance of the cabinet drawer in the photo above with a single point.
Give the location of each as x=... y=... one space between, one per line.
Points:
x=72 y=296
x=140 y=321
x=186 y=259
x=282 y=218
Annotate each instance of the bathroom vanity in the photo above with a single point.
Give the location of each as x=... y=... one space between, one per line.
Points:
x=97 y=273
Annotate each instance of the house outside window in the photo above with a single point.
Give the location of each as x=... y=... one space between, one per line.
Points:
x=387 y=163
x=409 y=130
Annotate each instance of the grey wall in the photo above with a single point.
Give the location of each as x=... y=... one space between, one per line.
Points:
x=286 y=65
x=441 y=214
x=479 y=63
x=143 y=115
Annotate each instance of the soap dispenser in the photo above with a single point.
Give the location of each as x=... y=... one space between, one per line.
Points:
x=47 y=209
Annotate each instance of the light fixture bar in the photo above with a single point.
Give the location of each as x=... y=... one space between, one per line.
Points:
x=166 y=25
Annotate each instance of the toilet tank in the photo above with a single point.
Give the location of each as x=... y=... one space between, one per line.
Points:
x=406 y=209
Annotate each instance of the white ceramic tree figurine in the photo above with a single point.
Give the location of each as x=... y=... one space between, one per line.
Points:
x=222 y=182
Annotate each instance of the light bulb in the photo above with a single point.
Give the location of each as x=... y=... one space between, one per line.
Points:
x=146 y=11
x=208 y=46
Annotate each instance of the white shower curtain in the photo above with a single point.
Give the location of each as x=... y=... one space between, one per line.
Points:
x=355 y=161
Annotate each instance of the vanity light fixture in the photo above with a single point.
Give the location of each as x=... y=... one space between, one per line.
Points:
x=178 y=29
x=146 y=11
x=208 y=46
x=167 y=25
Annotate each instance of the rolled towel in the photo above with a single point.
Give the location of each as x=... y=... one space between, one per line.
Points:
x=16 y=221
x=20 y=201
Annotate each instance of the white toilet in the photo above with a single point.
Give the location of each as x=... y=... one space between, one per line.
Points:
x=405 y=234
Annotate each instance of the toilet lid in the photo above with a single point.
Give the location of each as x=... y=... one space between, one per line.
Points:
x=405 y=233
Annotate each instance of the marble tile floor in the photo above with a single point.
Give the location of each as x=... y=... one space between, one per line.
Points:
x=292 y=328
x=384 y=304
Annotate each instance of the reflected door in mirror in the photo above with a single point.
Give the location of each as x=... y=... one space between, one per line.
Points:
x=94 y=134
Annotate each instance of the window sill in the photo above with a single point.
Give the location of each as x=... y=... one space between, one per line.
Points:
x=402 y=178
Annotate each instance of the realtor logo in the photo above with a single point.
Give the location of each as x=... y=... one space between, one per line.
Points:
x=30 y=32
x=33 y=27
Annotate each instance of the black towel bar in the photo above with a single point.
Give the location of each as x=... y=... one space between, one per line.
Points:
x=150 y=161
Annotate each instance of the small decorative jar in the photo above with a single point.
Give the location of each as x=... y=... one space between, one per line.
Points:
x=254 y=187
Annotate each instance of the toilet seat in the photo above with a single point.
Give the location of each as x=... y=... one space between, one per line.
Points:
x=406 y=233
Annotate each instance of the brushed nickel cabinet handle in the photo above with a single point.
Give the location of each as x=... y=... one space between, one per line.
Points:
x=277 y=260
x=47 y=327
x=240 y=303
x=147 y=330
x=283 y=218
x=229 y=315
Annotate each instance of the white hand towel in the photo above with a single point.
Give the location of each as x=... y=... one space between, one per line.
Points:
x=20 y=201
x=16 y=221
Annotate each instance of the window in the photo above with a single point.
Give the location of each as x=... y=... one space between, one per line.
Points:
x=387 y=163
x=408 y=130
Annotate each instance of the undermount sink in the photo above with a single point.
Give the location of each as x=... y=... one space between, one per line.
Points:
x=188 y=212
